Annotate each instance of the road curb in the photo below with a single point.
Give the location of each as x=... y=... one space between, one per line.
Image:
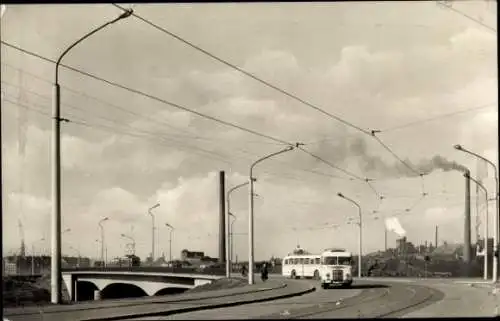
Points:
x=207 y=307
x=198 y=297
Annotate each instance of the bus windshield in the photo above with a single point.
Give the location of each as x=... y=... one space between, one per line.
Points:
x=334 y=260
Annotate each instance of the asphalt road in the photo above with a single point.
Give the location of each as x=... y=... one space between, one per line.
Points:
x=364 y=299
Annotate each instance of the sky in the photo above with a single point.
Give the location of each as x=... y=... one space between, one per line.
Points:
x=406 y=69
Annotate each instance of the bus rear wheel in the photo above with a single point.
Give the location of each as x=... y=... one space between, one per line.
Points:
x=316 y=275
x=293 y=275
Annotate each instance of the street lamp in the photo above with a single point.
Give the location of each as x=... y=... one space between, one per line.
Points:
x=78 y=252
x=102 y=239
x=497 y=213
x=153 y=231
x=133 y=242
x=485 y=225
x=33 y=255
x=56 y=276
x=228 y=229
x=250 y=216
x=231 y=245
x=170 y=241
x=360 y=231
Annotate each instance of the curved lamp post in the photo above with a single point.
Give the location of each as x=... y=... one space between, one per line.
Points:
x=250 y=216
x=485 y=225
x=56 y=276
x=496 y=218
x=33 y=255
x=153 y=231
x=231 y=245
x=229 y=240
x=170 y=241
x=360 y=231
x=133 y=242
x=102 y=238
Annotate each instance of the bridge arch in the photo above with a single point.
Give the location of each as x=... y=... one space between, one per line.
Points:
x=85 y=290
x=170 y=290
x=122 y=290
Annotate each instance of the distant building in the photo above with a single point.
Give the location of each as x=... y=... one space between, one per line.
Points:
x=188 y=255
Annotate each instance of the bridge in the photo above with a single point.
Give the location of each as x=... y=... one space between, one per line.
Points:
x=112 y=283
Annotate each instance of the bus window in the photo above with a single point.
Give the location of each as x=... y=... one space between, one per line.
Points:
x=306 y=261
x=330 y=260
x=285 y=262
x=295 y=261
x=345 y=261
x=301 y=260
x=318 y=260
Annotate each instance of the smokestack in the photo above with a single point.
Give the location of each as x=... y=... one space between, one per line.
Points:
x=222 y=217
x=467 y=221
x=385 y=238
x=436 y=237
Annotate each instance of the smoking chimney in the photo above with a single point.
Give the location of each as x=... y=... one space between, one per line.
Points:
x=222 y=217
x=467 y=221
x=436 y=237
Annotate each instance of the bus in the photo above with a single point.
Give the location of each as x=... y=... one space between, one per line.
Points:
x=336 y=268
x=301 y=266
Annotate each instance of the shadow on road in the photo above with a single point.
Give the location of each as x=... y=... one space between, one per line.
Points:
x=368 y=286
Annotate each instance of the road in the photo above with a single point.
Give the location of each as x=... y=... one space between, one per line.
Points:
x=365 y=299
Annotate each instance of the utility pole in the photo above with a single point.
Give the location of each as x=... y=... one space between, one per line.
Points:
x=102 y=239
x=478 y=184
x=55 y=275
x=360 y=245
x=222 y=218
x=152 y=231
x=170 y=242
x=251 y=217
x=229 y=239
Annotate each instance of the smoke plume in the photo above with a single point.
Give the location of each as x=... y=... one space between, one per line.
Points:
x=371 y=164
x=392 y=224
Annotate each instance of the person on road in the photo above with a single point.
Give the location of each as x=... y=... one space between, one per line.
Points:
x=243 y=270
x=263 y=272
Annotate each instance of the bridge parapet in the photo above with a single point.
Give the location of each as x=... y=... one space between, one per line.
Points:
x=184 y=270
x=149 y=282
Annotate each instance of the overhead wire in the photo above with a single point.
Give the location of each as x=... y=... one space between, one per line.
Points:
x=114 y=106
x=447 y=5
x=233 y=66
x=152 y=97
x=162 y=135
x=157 y=136
x=266 y=83
x=422 y=121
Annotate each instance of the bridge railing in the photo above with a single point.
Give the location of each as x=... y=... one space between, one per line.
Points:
x=151 y=269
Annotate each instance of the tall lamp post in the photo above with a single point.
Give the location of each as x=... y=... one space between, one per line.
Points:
x=33 y=255
x=56 y=277
x=170 y=241
x=133 y=242
x=102 y=239
x=153 y=231
x=231 y=244
x=229 y=229
x=78 y=253
x=360 y=231
x=496 y=218
x=250 y=216
x=485 y=225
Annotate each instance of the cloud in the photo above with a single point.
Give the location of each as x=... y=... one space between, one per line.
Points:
x=375 y=79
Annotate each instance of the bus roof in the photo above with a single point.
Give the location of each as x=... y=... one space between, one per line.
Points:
x=302 y=255
x=337 y=253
